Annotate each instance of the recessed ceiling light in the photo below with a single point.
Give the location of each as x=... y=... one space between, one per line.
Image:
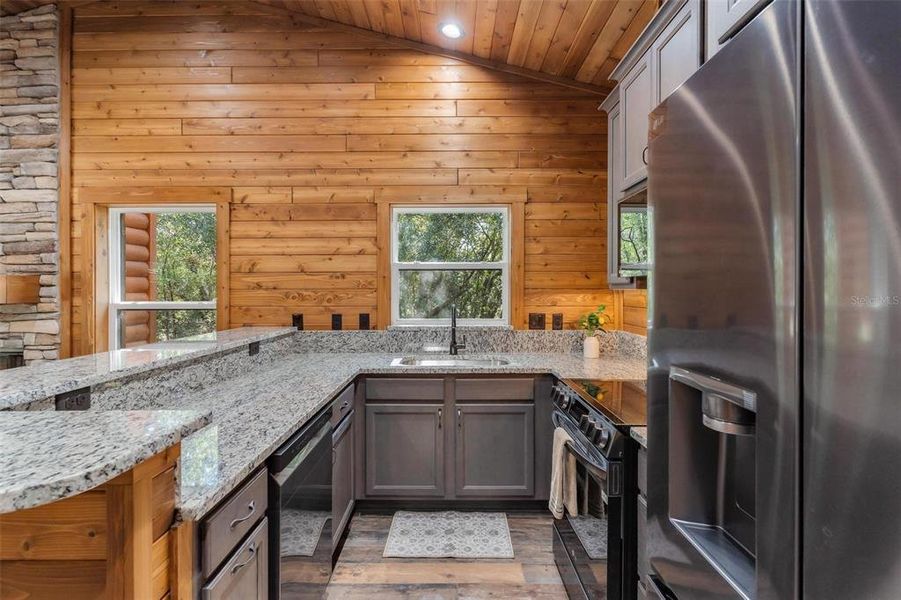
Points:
x=451 y=30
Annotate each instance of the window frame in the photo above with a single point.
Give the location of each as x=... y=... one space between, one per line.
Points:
x=116 y=246
x=503 y=265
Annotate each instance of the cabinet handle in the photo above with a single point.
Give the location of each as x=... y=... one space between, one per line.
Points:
x=440 y=412
x=251 y=508
x=459 y=418
x=644 y=155
x=252 y=548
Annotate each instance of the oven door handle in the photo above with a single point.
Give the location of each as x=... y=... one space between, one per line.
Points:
x=599 y=464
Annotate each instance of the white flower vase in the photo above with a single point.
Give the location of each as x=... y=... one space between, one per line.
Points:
x=591 y=347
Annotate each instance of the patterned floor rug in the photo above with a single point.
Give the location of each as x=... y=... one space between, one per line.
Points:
x=449 y=534
x=301 y=530
x=592 y=532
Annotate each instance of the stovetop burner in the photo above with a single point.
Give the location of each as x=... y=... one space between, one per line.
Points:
x=624 y=402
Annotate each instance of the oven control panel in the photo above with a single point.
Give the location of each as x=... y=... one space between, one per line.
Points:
x=594 y=428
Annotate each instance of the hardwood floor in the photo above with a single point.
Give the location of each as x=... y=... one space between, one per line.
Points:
x=361 y=571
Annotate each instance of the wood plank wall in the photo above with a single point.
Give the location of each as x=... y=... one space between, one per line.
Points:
x=635 y=311
x=307 y=130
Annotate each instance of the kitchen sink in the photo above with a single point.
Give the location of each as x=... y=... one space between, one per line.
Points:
x=412 y=361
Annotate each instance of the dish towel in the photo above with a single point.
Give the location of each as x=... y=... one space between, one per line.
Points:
x=563 y=477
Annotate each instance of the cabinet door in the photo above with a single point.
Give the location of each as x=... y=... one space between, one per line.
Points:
x=342 y=476
x=723 y=16
x=404 y=450
x=495 y=449
x=634 y=105
x=246 y=574
x=676 y=52
x=615 y=149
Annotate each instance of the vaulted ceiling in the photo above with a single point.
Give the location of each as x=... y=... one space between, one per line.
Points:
x=577 y=40
x=555 y=40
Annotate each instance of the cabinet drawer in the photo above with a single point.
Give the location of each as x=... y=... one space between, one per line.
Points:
x=343 y=404
x=245 y=574
x=643 y=471
x=224 y=529
x=405 y=389
x=495 y=389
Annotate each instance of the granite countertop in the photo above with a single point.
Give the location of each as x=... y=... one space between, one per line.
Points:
x=50 y=455
x=255 y=413
x=640 y=435
x=44 y=380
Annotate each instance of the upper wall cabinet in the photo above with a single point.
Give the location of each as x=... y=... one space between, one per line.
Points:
x=725 y=18
x=676 y=53
x=635 y=101
x=663 y=57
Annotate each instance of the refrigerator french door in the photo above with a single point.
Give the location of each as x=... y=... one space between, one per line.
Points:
x=723 y=386
x=775 y=307
x=852 y=301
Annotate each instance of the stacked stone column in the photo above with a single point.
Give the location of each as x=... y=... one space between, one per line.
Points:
x=29 y=184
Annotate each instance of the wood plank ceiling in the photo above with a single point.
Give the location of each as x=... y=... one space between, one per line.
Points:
x=580 y=40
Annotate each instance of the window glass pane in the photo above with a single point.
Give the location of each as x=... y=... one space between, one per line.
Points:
x=149 y=326
x=169 y=256
x=633 y=237
x=429 y=294
x=450 y=237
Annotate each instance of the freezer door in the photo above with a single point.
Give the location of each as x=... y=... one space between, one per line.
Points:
x=724 y=200
x=852 y=311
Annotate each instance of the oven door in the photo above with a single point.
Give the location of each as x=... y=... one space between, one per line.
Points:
x=588 y=548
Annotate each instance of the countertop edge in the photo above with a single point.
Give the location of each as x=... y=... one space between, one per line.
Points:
x=25 y=397
x=72 y=484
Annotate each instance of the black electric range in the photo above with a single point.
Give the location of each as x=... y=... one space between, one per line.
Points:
x=596 y=549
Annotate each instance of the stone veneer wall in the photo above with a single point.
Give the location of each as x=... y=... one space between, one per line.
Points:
x=29 y=186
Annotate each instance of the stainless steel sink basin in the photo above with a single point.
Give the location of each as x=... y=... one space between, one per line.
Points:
x=413 y=361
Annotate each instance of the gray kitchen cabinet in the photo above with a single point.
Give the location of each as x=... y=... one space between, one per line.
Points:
x=634 y=105
x=404 y=449
x=614 y=187
x=495 y=449
x=246 y=573
x=342 y=476
x=725 y=18
x=666 y=53
x=676 y=52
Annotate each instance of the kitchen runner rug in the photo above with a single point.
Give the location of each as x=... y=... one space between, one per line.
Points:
x=301 y=530
x=592 y=532
x=449 y=534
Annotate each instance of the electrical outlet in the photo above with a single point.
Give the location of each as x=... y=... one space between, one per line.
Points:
x=536 y=320
x=336 y=323
x=364 y=321
x=557 y=321
x=79 y=399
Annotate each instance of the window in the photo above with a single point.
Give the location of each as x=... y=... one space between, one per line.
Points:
x=450 y=255
x=162 y=274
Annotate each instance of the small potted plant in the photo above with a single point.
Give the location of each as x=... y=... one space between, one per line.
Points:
x=591 y=324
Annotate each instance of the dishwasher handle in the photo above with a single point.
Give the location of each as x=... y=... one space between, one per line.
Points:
x=301 y=443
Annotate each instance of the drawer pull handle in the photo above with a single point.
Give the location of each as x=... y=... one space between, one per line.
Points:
x=253 y=553
x=251 y=508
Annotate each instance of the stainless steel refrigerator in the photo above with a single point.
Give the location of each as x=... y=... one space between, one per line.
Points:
x=775 y=312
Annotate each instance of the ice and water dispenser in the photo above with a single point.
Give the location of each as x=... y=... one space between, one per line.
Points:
x=712 y=472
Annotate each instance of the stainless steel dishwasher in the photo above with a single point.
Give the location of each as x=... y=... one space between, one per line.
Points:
x=300 y=512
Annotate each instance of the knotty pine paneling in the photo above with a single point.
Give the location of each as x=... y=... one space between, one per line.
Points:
x=635 y=311
x=305 y=130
